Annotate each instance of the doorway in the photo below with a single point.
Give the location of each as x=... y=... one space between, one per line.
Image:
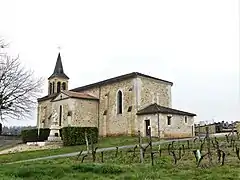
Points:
x=147 y=124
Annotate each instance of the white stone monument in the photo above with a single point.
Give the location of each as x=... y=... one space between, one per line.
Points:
x=54 y=135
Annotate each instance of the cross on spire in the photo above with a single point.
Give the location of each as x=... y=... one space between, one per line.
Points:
x=59 y=48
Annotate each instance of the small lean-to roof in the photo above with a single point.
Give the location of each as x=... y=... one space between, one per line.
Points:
x=118 y=78
x=155 y=108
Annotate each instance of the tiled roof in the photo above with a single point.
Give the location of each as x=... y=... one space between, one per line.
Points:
x=70 y=94
x=155 y=108
x=79 y=95
x=52 y=96
x=116 y=79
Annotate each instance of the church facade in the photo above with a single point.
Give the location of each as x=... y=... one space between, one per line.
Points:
x=121 y=105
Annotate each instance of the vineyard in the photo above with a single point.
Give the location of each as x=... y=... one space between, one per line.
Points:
x=200 y=152
x=200 y=158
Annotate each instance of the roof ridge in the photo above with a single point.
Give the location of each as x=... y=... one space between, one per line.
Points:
x=82 y=93
x=157 y=106
x=117 y=78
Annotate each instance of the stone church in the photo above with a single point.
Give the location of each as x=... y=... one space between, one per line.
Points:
x=117 y=106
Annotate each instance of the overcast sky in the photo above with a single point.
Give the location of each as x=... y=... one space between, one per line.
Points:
x=194 y=44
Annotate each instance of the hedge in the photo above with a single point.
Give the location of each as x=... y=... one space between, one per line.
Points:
x=76 y=135
x=31 y=135
x=70 y=135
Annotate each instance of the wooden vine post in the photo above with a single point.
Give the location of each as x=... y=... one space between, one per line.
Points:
x=87 y=143
x=150 y=143
x=102 y=157
x=232 y=130
x=208 y=145
x=140 y=146
x=199 y=128
x=93 y=150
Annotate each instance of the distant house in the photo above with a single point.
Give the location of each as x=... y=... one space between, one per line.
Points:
x=216 y=127
x=238 y=126
x=118 y=106
x=213 y=128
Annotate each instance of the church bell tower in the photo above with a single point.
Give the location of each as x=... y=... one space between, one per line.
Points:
x=58 y=80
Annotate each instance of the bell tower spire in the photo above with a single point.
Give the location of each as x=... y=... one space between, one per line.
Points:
x=58 y=80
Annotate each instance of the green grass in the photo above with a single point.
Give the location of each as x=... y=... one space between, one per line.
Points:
x=103 y=142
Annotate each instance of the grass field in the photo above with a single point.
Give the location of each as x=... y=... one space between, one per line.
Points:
x=125 y=165
x=163 y=169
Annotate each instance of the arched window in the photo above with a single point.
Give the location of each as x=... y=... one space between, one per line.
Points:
x=50 y=88
x=53 y=86
x=58 y=87
x=64 y=86
x=119 y=102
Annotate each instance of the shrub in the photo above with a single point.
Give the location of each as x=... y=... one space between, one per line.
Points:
x=76 y=135
x=44 y=133
x=31 y=135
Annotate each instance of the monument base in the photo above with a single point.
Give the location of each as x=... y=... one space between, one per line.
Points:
x=54 y=139
x=54 y=135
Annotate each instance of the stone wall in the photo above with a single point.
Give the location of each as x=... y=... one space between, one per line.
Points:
x=177 y=129
x=44 y=113
x=67 y=105
x=85 y=113
x=77 y=112
x=154 y=91
x=137 y=93
x=153 y=123
x=111 y=123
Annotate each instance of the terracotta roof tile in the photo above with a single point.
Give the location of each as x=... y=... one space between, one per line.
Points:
x=79 y=95
x=52 y=96
x=70 y=94
x=155 y=108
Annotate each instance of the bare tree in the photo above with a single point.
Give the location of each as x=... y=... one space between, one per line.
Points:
x=19 y=88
